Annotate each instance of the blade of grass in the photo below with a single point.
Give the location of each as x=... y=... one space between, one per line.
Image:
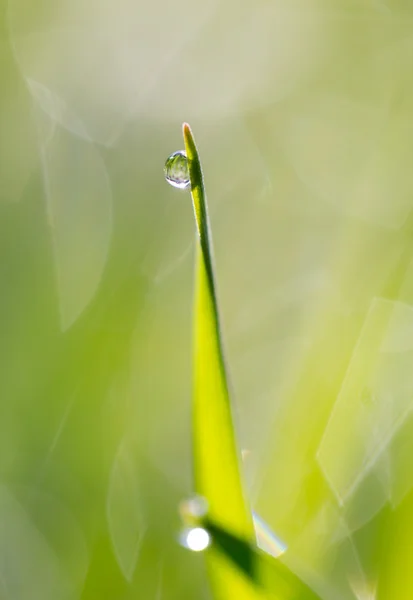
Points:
x=236 y=568
x=216 y=462
x=270 y=575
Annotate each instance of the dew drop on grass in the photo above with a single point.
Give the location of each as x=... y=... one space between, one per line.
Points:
x=192 y=510
x=194 y=535
x=196 y=539
x=176 y=170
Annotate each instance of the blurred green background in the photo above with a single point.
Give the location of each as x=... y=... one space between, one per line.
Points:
x=302 y=111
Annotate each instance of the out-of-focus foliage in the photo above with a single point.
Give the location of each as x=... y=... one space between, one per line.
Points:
x=302 y=110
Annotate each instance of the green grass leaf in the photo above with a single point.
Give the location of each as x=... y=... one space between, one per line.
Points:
x=216 y=462
x=262 y=575
x=237 y=568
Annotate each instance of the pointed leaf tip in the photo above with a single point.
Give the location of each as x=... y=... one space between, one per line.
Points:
x=189 y=142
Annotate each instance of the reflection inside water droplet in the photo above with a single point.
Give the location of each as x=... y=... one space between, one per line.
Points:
x=176 y=170
x=196 y=539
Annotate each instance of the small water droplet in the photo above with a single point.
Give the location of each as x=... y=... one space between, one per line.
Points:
x=176 y=170
x=193 y=508
x=196 y=539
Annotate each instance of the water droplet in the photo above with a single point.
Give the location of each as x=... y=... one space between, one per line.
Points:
x=176 y=170
x=196 y=539
x=193 y=509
